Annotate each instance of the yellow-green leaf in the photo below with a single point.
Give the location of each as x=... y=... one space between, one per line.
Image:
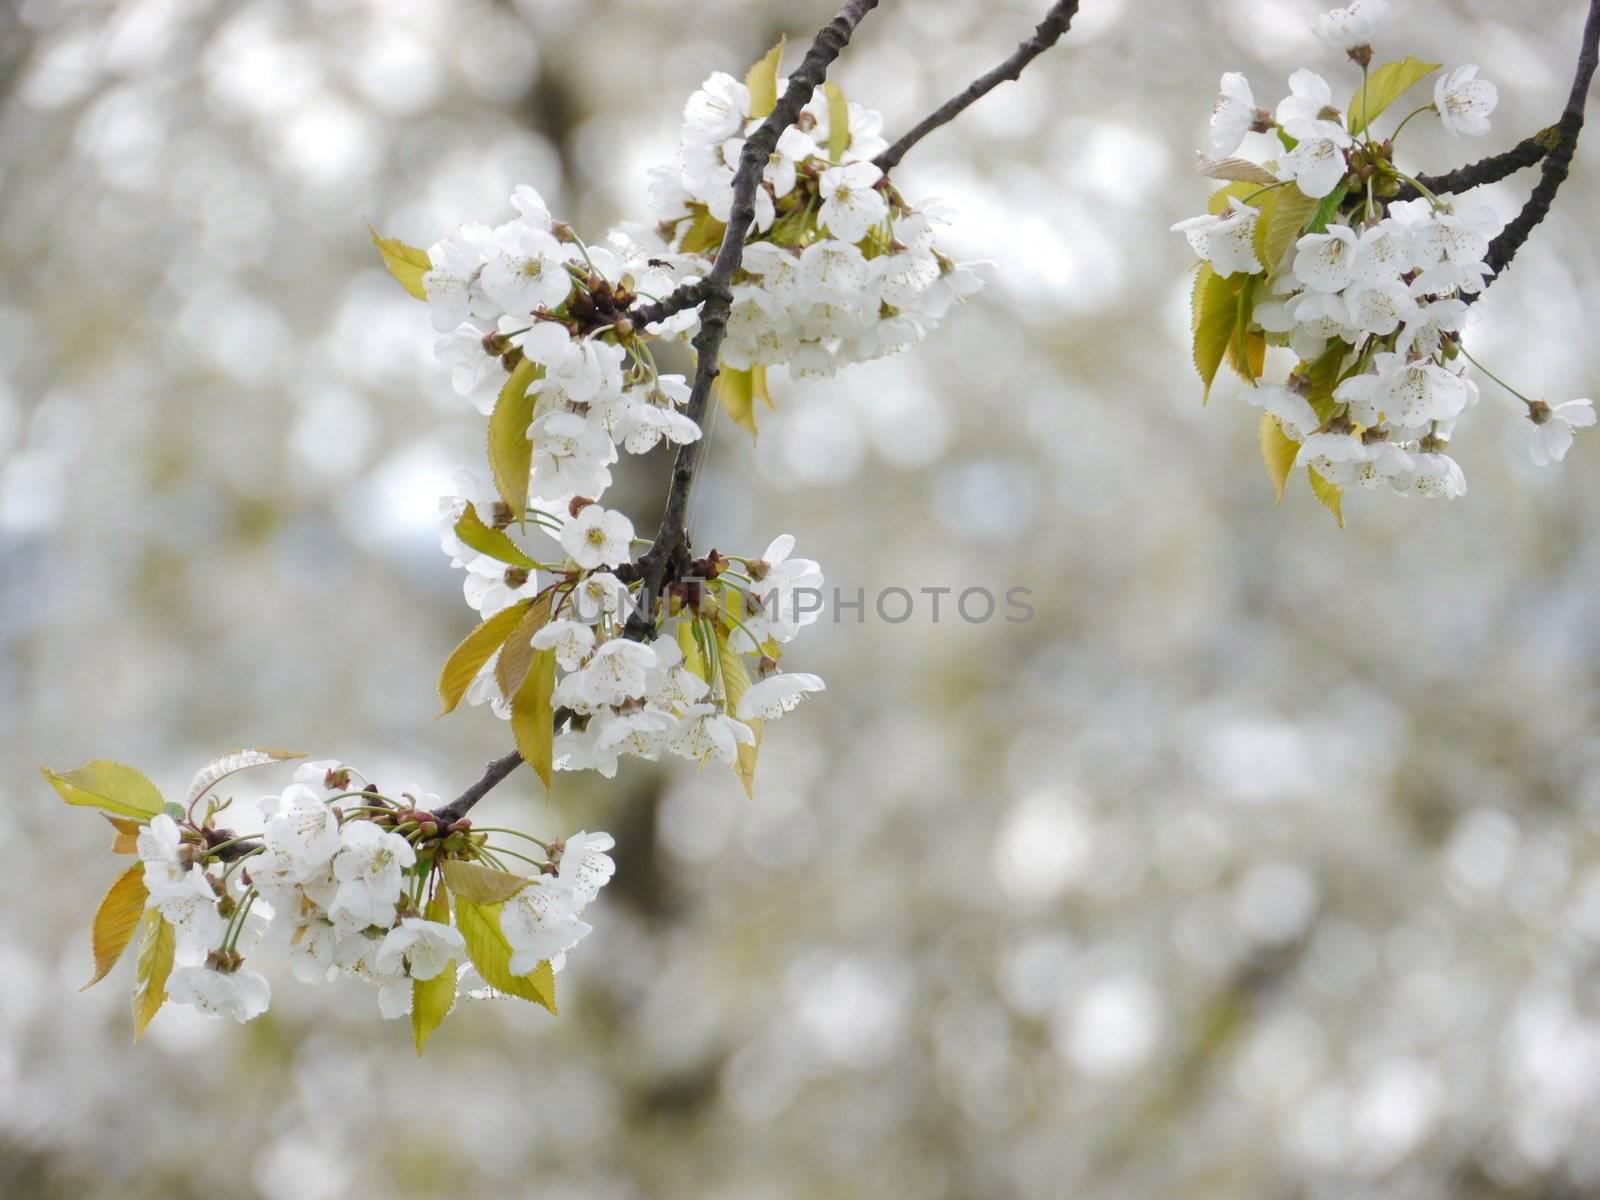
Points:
x=115 y=921
x=516 y=657
x=736 y=393
x=693 y=660
x=758 y=387
x=1215 y=309
x=218 y=769
x=1384 y=86
x=480 y=884
x=107 y=785
x=157 y=941
x=1322 y=376
x=471 y=531
x=491 y=954
x=705 y=232
x=467 y=659
x=762 y=80
x=432 y=999
x=1277 y=451
x=735 y=682
x=127 y=839
x=1247 y=352
x=1331 y=495
x=838 y=122
x=1284 y=214
x=1218 y=203
x=405 y=263
x=510 y=450
x=533 y=715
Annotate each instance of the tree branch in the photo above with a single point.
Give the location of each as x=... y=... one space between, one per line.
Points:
x=1526 y=153
x=1553 y=171
x=1047 y=34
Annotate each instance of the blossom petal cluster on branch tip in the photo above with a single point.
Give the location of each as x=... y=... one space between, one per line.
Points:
x=1317 y=252
x=348 y=882
x=839 y=268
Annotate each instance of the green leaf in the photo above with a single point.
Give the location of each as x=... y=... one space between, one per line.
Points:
x=838 y=122
x=533 y=716
x=432 y=999
x=491 y=954
x=107 y=785
x=405 y=263
x=1384 y=86
x=157 y=941
x=471 y=531
x=1277 y=451
x=1327 y=208
x=480 y=884
x=1331 y=495
x=735 y=682
x=510 y=450
x=516 y=657
x=736 y=393
x=467 y=659
x=218 y=769
x=115 y=921
x=762 y=80
x=1284 y=214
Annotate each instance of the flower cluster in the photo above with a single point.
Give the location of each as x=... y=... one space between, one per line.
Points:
x=1331 y=250
x=700 y=693
x=528 y=303
x=344 y=881
x=843 y=269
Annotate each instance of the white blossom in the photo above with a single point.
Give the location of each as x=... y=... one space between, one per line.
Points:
x=585 y=867
x=423 y=949
x=1226 y=241
x=1553 y=427
x=1234 y=114
x=240 y=994
x=769 y=698
x=541 y=924
x=1464 y=101
x=598 y=537
x=851 y=203
x=1353 y=25
x=369 y=869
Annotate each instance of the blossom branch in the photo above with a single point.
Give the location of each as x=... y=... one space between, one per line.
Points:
x=668 y=558
x=1047 y=34
x=1558 y=161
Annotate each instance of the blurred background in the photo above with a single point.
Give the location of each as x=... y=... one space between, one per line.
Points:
x=1265 y=861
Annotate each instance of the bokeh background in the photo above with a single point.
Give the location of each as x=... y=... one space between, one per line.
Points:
x=1265 y=861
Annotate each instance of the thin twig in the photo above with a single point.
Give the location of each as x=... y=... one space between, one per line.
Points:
x=1047 y=34
x=492 y=775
